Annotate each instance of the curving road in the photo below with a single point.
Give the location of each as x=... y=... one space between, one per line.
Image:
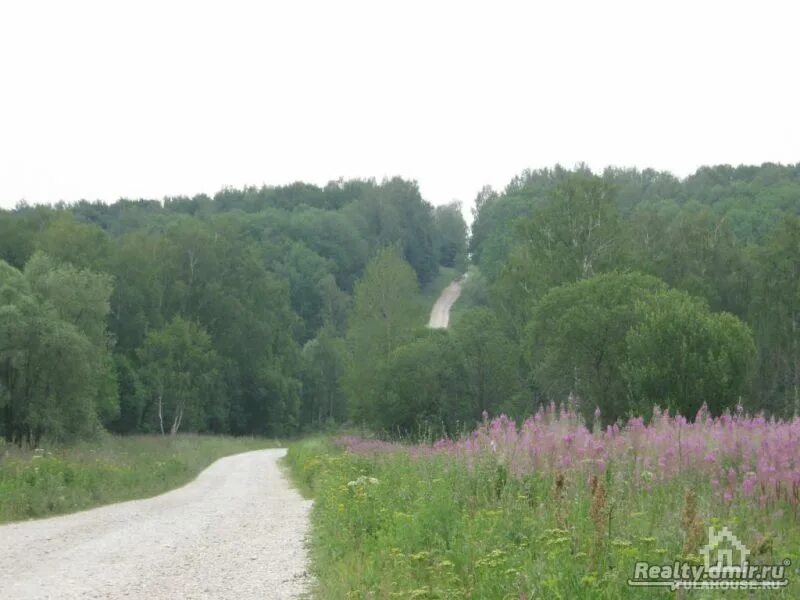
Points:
x=237 y=531
x=440 y=314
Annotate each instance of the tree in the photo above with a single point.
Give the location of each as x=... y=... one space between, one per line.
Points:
x=79 y=296
x=680 y=355
x=421 y=387
x=81 y=244
x=694 y=250
x=143 y=272
x=325 y=360
x=180 y=371
x=489 y=367
x=451 y=236
x=305 y=271
x=17 y=232
x=394 y=213
x=482 y=225
x=216 y=277
x=82 y=298
x=56 y=375
x=571 y=236
x=333 y=236
x=384 y=315
x=265 y=271
x=775 y=315
x=132 y=397
x=335 y=304
x=441 y=381
x=576 y=341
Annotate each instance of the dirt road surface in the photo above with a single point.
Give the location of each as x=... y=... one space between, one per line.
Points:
x=440 y=315
x=237 y=531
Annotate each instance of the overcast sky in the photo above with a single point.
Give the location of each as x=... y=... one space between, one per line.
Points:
x=102 y=100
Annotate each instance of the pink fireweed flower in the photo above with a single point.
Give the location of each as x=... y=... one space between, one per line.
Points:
x=744 y=458
x=732 y=477
x=748 y=484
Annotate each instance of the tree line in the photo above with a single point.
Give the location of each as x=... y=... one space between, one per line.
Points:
x=279 y=309
x=614 y=293
x=224 y=314
x=633 y=288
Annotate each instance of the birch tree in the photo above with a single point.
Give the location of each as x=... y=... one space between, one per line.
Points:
x=180 y=371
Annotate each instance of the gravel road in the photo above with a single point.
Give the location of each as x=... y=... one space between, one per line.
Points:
x=440 y=315
x=237 y=531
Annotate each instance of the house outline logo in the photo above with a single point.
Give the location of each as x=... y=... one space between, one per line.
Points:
x=726 y=567
x=725 y=555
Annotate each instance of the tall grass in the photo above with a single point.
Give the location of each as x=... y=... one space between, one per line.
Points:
x=111 y=469
x=549 y=509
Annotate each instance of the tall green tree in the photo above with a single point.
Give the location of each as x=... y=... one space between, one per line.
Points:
x=421 y=387
x=776 y=316
x=325 y=360
x=81 y=244
x=489 y=367
x=573 y=235
x=81 y=298
x=305 y=271
x=451 y=236
x=335 y=237
x=18 y=231
x=394 y=213
x=384 y=315
x=680 y=355
x=576 y=341
x=180 y=371
x=56 y=373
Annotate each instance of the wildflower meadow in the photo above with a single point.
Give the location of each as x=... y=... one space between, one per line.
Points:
x=551 y=507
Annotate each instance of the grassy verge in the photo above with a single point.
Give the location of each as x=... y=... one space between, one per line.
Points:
x=398 y=524
x=473 y=294
x=113 y=469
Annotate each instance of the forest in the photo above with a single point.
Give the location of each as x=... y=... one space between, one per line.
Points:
x=279 y=310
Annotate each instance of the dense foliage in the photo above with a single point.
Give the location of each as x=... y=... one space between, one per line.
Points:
x=280 y=309
x=635 y=288
x=617 y=292
x=225 y=314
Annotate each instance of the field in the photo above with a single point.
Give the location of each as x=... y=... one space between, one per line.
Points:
x=111 y=469
x=549 y=509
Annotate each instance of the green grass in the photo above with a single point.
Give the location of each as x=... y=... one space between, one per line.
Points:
x=111 y=469
x=396 y=526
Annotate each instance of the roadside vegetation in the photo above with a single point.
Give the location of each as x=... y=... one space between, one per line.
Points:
x=57 y=480
x=296 y=309
x=474 y=294
x=549 y=508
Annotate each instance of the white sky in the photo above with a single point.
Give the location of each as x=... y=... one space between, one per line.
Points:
x=101 y=100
